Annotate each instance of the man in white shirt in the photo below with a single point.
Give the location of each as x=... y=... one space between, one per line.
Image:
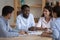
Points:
x=25 y=20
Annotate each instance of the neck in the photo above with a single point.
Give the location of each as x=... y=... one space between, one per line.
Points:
x=47 y=19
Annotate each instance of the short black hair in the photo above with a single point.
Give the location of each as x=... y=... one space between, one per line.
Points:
x=7 y=10
x=56 y=9
x=49 y=8
x=24 y=6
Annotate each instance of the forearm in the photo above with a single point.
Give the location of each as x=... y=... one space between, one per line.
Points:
x=11 y=34
x=55 y=34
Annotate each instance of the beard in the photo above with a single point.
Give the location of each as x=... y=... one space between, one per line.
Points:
x=25 y=16
x=9 y=18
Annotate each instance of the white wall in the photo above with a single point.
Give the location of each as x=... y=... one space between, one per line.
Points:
x=6 y=2
x=35 y=11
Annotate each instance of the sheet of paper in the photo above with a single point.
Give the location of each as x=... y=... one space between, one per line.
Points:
x=23 y=35
x=35 y=32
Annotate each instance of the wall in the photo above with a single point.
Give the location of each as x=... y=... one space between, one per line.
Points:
x=34 y=10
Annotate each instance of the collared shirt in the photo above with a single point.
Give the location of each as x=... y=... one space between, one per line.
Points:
x=42 y=23
x=24 y=23
x=55 y=25
x=5 y=29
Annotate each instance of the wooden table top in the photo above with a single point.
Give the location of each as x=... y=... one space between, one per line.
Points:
x=31 y=37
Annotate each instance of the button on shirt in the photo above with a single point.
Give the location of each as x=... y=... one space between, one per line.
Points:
x=5 y=29
x=42 y=23
x=24 y=23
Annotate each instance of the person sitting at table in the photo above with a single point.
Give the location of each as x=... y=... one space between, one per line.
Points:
x=45 y=20
x=25 y=19
x=55 y=25
x=5 y=29
x=54 y=15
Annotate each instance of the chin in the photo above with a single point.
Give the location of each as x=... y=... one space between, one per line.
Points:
x=26 y=17
x=9 y=18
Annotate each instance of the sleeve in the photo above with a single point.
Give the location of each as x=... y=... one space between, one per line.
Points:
x=39 y=23
x=12 y=29
x=18 y=24
x=32 y=21
x=6 y=32
x=55 y=31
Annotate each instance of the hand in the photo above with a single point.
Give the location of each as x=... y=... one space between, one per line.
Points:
x=40 y=28
x=49 y=32
x=45 y=29
x=23 y=32
x=44 y=34
x=13 y=25
x=32 y=29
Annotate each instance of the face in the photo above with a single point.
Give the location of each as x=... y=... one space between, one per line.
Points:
x=59 y=3
x=46 y=12
x=54 y=15
x=9 y=15
x=26 y=12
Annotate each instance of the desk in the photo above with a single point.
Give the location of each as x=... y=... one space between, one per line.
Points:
x=31 y=37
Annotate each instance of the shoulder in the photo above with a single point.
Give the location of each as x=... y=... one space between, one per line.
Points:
x=19 y=16
x=1 y=21
x=41 y=18
x=57 y=20
x=31 y=14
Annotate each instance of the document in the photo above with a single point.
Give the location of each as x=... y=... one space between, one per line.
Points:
x=35 y=32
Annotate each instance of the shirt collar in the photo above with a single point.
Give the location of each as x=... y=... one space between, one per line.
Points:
x=58 y=18
x=3 y=18
x=23 y=17
x=45 y=20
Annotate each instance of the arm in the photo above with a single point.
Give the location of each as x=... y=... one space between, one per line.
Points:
x=32 y=26
x=39 y=25
x=32 y=21
x=18 y=24
x=12 y=29
x=6 y=32
x=19 y=27
x=55 y=31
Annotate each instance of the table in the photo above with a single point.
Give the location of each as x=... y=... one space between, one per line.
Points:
x=31 y=37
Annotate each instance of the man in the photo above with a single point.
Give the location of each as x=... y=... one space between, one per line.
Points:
x=55 y=25
x=25 y=20
x=5 y=29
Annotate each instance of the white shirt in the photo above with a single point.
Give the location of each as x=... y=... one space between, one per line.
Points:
x=23 y=23
x=42 y=23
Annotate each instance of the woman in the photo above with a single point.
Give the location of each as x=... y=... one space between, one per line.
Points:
x=55 y=25
x=45 y=20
